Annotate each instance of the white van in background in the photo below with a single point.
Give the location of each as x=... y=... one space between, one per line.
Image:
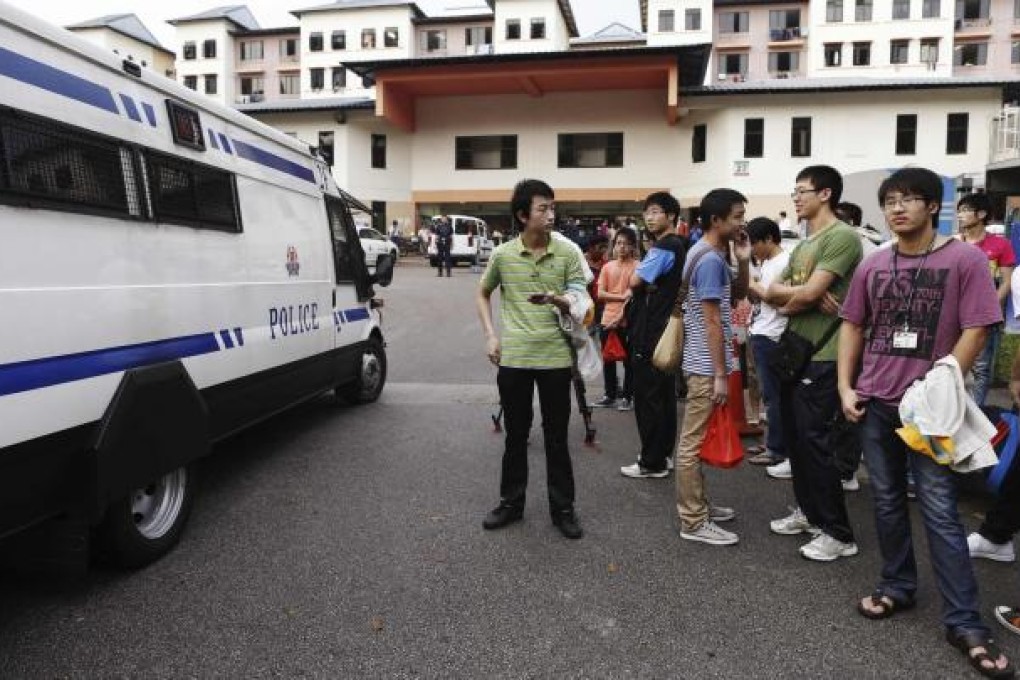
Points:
x=471 y=241
x=172 y=271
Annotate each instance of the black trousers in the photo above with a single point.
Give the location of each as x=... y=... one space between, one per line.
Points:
x=1003 y=518
x=516 y=392
x=612 y=385
x=443 y=258
x=808 y=408
x=655 y=411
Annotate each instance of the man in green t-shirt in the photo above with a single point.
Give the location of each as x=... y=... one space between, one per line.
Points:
x=813 y=283
x=534 y=273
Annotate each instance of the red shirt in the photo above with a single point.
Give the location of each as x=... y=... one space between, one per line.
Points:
x=999 y=252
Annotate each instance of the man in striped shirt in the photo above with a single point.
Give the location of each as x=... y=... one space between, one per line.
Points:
x=534 y=273
x=708 y=342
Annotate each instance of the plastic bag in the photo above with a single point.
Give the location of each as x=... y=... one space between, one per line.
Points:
x=613 y=349
x=589 y=361
x=721 y=447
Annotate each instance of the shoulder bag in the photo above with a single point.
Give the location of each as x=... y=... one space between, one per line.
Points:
x=793 y=353
x=670 y=347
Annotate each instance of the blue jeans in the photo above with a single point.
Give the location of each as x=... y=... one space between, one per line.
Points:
x=762 y=347
x=887 y=458
x=984 y=366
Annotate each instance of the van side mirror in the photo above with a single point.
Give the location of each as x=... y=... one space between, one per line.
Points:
x=383 y=271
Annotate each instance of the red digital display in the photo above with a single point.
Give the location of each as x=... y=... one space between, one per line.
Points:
x=185 y=125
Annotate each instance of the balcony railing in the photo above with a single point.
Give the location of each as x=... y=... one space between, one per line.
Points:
x=253 y=98
x=966 y=24
x=731 y=37
x=784 y=34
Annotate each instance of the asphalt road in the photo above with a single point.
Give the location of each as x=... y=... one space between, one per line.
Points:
x=347 y=542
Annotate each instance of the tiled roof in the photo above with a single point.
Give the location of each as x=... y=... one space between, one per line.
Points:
x=125 y=24
x=614 y=32
x=359 y=4
x=322 y=104
x=239 y=14
x=779 y=86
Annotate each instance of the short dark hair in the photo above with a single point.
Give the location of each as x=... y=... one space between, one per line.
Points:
x=917 y=181
x=628 y=234
x=977 y=203
x=763 y=229
x=524 y=192
x=595 y=240
x=850 y=213
x=666 y=202
x=719 y=203
x=824 y=177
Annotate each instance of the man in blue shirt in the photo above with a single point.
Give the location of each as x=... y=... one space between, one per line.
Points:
x=654 y=284
x=708 y=355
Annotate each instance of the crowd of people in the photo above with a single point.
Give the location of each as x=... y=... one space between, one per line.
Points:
x=843 y=334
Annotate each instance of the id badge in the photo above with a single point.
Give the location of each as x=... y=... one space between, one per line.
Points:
x=904 y=340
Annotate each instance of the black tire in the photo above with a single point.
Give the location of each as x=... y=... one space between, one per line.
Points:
x=148 y=523
x=371 y=374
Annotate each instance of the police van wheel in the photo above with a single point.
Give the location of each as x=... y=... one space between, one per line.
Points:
x=371 y=374
x=142 y=527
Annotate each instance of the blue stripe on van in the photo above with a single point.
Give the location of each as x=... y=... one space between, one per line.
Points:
x=14 y=65
x=38 y=373
x=225 y=143
x=271 y=160
x=130 y=108
x=212 y=140
x=356 y=314
x=228 y=341
x=150 y=113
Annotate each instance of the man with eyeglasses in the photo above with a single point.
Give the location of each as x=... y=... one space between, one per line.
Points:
x=972 y=214
x=926 y=297
x=654 y=287
x=815 y=280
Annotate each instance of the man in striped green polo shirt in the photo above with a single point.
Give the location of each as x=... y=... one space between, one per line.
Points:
x=534 y=272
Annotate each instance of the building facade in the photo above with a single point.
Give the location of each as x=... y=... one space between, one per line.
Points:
x=422 y=115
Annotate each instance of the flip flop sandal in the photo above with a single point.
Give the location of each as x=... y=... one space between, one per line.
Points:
x=757 y=448
x=967 y=642
x=885 y=609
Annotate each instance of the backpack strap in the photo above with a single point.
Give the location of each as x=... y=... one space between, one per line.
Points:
x=685 y=285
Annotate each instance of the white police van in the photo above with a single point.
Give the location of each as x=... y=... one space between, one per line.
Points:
x=171 y=272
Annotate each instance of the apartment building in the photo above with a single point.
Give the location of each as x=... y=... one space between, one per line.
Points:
x=207 y=59
x=126 y=35
x=423 y=114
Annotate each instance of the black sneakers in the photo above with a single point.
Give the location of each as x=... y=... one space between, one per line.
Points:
x=566 y=522
x=503 y=514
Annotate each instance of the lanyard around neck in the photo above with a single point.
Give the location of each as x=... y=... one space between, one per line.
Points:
x=905 y=312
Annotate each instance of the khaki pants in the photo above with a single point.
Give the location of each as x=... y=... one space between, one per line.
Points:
x=691 y=501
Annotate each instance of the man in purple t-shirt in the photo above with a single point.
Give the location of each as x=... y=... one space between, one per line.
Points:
x=926 y=297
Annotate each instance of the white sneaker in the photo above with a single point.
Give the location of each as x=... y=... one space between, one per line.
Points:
x=792 y=524
x=720 y=513
x=825 y=548
x=851 y=484
x=710 y=533
x=780 y=470
x=635 y=471
x=981 y=547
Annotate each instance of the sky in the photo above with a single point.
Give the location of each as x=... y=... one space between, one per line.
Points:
x=591 y=15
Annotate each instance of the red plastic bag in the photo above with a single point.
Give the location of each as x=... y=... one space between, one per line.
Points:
x=613 y=349
x=722 y=447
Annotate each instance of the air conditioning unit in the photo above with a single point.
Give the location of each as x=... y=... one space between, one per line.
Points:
x=723 y=76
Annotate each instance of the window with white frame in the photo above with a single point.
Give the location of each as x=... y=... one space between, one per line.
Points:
x=862 y=10
x=833 y=54
x=834 y=11
x=736 y=22
x=784 y=62
x=666 y=21
x=901 y=9
x=931 y=9
x=692 y=19
x=538 y=29
x=970 y=54
x=290 y=84
x=899 y=51
x=252 y=50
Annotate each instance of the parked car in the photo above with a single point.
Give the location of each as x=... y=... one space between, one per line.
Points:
x=375 y=244
x=470 y=241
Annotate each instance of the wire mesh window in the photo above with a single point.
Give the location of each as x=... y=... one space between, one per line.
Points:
x=195 y=195
x=71 y=169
